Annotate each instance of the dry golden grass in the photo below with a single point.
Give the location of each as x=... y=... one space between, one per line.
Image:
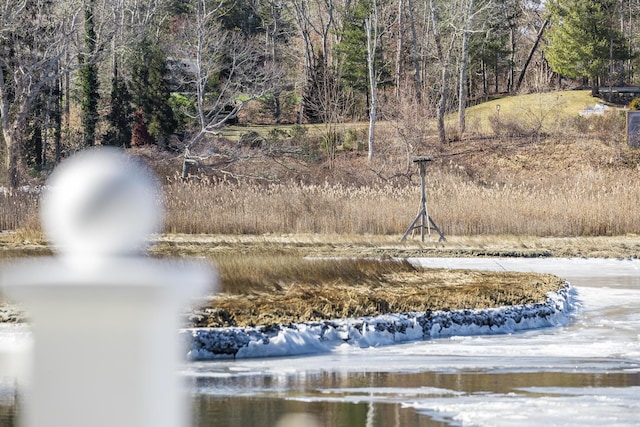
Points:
x=576 y=182
x=289 y=278
x=381 y=247
x=283 y=279
x=18 y=210
x=582 y=203
x=285 y=289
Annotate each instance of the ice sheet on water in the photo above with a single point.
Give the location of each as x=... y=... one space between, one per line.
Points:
x=583 y=407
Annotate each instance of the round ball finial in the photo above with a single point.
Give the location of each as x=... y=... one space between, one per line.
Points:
x=100 y=203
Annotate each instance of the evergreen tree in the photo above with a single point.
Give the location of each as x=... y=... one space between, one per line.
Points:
x=584 y=38
x=353 y=47
x=120 y=116
x=150 y=90
x=352 y=51
x=89 y=78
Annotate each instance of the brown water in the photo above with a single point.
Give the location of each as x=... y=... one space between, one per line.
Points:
x=367 y=399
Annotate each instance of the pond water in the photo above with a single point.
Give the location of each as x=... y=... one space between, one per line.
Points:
x=584 y=374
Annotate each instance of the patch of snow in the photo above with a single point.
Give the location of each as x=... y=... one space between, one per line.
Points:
x=320 y=337
x=597 y=110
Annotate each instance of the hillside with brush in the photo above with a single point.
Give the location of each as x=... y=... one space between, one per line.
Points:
x=527 y=165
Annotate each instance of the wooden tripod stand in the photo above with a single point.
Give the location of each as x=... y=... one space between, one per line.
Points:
x=423 y=220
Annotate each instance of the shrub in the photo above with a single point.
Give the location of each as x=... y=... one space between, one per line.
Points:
x=251 y=139
x=297 y=131
x=634 y=104
x=350 y=139
x=503 y=125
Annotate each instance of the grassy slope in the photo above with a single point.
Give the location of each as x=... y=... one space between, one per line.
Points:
x=538 y=105
x=548 y=106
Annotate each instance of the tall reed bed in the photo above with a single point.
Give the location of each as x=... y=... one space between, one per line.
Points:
x=587 y=203
x=18 y=210
x=237 y=208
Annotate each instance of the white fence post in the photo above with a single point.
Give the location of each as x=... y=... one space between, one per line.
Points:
x=105 y=318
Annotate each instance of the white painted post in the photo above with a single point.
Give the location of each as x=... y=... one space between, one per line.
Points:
x=104 y=317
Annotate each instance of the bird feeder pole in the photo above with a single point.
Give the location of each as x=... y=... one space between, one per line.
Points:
x=423 y=219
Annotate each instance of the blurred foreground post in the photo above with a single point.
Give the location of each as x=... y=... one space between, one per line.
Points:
x=104 y=317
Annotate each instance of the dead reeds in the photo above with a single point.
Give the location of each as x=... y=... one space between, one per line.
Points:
x=585 y=202
x=580 y=203
x=259 y=291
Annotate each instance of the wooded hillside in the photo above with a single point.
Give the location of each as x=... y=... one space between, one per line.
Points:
x=172 y=73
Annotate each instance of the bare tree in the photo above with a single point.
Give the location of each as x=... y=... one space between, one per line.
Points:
x=371 y=26
x=399 y=48
x=469 y=16
x=444 y=59
x=464 y=59
x=417 y=74
x=316 y=20
x=34 y=39
x=211 y=53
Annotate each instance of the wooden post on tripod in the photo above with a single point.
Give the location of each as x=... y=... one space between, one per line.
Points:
x=423 y=217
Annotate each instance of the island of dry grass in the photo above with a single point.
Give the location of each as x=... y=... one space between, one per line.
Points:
x=301 y=290
x=286 y=279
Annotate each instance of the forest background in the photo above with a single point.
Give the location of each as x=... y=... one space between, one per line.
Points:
x=330 y=96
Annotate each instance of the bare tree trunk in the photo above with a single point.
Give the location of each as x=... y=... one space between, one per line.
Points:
x=301 y=19
x=495 y=76
x=13 y=161
x=485 y=84
x=399 y=48
x=417 y=76
x=444 y=69
x=57 y=133
x=531 y=53
x=326 y=30
x=371 y=25
x=11 y=126
x=464 y=64
x=512 y=56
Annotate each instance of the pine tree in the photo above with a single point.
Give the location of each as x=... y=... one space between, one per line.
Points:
x=584 y=38
x=353 y=47
x=353 y=54
x=89 y=78
x=150 y=90
x=120 y=116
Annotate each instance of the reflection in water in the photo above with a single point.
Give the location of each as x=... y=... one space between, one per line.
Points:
x=266 y=412
x=370 y=398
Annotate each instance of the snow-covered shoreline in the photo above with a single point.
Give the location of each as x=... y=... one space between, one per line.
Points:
x=319 y=337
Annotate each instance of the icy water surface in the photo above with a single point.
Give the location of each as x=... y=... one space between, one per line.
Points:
x=583 y=374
